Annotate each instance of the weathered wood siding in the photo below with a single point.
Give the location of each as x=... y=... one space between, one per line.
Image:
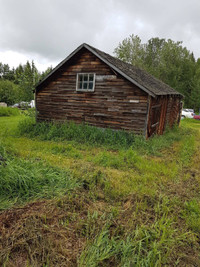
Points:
x=115 y=102
x=173 y=111
x=163 y=111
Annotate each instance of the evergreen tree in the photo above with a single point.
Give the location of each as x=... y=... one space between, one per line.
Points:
x=24 y=76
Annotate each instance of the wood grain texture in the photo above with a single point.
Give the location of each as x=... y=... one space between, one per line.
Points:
x=108 y=106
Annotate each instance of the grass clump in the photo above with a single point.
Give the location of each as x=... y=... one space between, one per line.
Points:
x=23 y=179
x=5 y=112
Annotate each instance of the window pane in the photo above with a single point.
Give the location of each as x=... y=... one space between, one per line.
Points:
x=90 y=86
x=85 y=78
x=85 y=85
x=80 y=77
x=91 y=77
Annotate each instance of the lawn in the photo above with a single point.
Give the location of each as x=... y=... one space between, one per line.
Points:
x=72 y=196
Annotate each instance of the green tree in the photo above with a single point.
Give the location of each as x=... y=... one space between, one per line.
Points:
x=6 y=73
x=9 y=92
x=45 y=73
x=195 y=94
x=153 y=55
x=167 y=60
x=131 y=50
x=25 y=77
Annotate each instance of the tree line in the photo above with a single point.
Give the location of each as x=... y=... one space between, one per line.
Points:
x=167 y=60
x=17 y=84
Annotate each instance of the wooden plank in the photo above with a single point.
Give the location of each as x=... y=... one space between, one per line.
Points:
x=110 y=104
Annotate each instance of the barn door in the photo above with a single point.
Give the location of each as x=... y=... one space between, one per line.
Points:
x=154 y=119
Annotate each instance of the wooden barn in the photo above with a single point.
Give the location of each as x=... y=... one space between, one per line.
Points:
x=93 y=87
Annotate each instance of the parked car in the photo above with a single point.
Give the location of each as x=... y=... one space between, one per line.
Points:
x=187 y=113
x=196 y=117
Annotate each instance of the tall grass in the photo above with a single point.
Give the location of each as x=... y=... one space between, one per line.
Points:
x=4 y=112
x=111 y=139
x=82 y=133
x=23 y=179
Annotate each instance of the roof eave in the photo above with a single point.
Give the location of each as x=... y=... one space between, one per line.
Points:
x=59 y=65
x=164 y=94
x=103 y=59
x=119 y=71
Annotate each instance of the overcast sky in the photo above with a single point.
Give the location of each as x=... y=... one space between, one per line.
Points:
x=48 y=30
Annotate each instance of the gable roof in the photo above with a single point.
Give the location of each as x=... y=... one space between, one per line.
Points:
x=137 y=76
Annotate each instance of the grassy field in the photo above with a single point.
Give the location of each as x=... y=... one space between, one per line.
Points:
x=79 y=196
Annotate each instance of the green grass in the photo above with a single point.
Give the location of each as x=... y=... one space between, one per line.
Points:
x=6 y=112
x=77 y=132
x=93 y=136
x=28 y=179
x=191 y=213
x=145 y=246
x=109 y=198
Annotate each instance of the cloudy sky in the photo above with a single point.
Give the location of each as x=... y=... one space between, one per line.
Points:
x=48 y=30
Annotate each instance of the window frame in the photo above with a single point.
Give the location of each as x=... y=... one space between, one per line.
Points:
x=77 y=82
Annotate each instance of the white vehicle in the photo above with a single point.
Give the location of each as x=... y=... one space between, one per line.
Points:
x=32 y=104
x=187 y=113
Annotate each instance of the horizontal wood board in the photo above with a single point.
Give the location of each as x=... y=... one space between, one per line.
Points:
x=115 y=102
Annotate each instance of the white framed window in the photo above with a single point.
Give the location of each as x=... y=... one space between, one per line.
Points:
x=85 y=82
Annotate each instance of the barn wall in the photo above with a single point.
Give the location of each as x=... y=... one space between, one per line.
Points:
x=173 y=111
x=115 y=103
x=164 y=110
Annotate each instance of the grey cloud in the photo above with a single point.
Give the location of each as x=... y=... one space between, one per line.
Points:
x=51 y=29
